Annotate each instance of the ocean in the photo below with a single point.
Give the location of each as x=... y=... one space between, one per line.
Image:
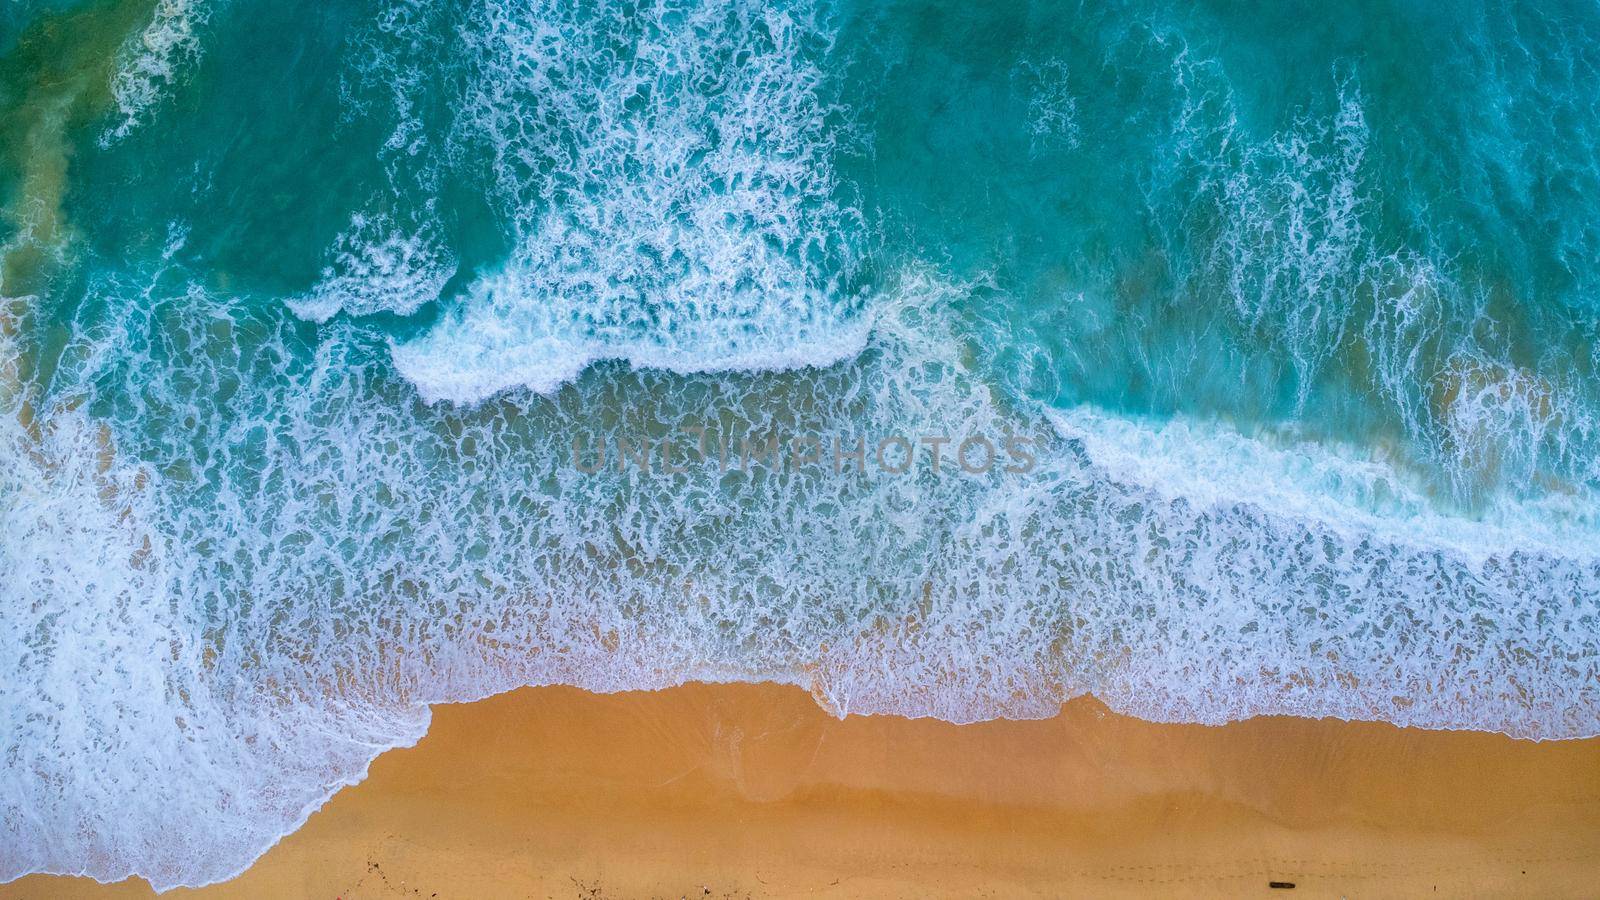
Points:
x=1217 y=359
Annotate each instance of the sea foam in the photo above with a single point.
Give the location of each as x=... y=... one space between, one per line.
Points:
x=675 y=205
x=152 y=61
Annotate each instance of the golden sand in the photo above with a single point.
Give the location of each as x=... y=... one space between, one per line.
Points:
x=752 y=790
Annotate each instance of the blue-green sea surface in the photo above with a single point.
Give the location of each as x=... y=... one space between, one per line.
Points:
x=1247 y=357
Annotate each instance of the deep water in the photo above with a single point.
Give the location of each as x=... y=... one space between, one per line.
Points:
x=1294 y=307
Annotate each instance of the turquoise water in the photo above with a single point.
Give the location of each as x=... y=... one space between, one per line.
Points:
x=1281 y=322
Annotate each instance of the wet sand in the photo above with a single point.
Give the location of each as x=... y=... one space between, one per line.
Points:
x=752 y=790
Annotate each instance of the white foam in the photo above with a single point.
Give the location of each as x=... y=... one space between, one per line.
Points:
x=1280 y=256
x=1052 y=109
x=392 y=257
x=480 y=353
x=377 y=268
x=1344 y=488
x=671 y=209
x=132 y=737
x=151 y=62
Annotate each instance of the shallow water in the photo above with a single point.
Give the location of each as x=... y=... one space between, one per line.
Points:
x=1280 y=324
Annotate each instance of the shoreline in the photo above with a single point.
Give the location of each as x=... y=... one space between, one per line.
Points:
x=753 y=790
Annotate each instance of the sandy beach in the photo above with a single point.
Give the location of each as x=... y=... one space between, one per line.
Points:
x=754 y=791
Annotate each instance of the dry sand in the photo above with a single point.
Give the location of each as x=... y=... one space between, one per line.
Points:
x=752 y=790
